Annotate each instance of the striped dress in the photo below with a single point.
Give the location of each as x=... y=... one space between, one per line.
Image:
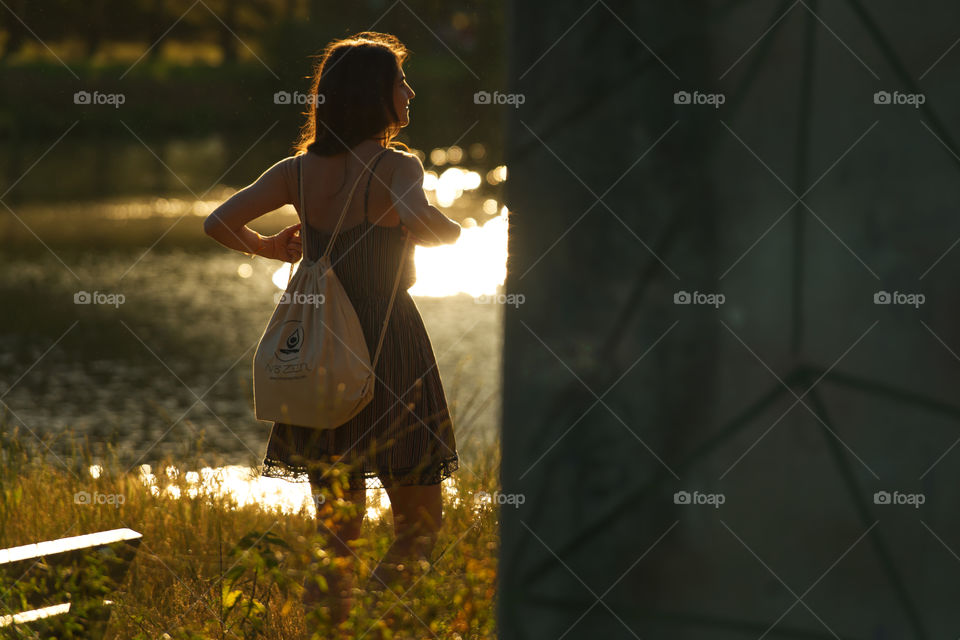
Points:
x=405 y=435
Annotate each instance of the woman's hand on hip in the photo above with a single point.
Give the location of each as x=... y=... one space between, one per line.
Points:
x=285 y=246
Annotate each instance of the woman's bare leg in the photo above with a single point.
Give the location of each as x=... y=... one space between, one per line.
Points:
x=339 y=530
x=417 y=513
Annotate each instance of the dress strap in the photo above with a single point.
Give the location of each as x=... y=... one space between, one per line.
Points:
x=343 y=214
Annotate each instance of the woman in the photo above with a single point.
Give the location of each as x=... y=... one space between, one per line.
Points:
x=403 y=440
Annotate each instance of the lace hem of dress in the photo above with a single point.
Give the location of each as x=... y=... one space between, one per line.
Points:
x=434 y=474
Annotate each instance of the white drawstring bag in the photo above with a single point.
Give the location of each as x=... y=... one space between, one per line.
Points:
x=312 y=367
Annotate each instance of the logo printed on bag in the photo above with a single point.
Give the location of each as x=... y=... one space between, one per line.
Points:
x=291 y=345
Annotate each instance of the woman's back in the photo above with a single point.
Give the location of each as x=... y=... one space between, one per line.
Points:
x=368 y=249
x=326 y=187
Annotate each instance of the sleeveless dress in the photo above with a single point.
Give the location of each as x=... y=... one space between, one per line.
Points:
x=404 y=436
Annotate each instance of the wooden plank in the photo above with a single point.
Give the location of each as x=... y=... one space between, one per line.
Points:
x=33 y=615
x=63 y=545
x=65 y=580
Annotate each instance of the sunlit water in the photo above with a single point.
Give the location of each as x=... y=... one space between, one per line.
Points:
x=244 y=487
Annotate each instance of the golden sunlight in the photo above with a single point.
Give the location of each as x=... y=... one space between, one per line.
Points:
x=246 y=487
x=476 y=264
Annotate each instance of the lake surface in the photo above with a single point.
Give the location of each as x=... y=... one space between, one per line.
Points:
x=164 y=350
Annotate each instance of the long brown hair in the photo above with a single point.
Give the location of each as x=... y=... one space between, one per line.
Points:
x=353 y=82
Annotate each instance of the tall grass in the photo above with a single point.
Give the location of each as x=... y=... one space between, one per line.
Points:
x=208 y=568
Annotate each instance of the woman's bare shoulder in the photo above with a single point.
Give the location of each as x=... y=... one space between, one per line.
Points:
x=284 y=166
x=401 y=151
x=283 y=175
x=404 y=160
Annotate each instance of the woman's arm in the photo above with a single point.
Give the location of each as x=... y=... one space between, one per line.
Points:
x=425 y=221
x=227 y=223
